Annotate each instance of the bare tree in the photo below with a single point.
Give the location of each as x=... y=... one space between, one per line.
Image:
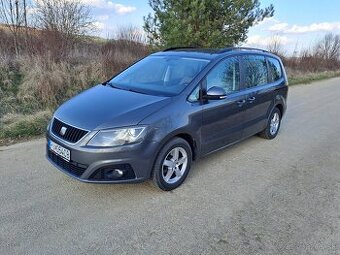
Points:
x=70 y=18
x=275 y=46
x=130 y=33
x=329 y=47
x=13 y=13
x=25 y=13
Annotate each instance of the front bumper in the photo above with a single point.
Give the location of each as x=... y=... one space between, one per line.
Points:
x=91 y=164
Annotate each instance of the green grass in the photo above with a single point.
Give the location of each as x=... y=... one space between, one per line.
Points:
x=311 y=77
x=20 y=127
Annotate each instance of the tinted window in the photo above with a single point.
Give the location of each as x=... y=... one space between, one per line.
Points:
x=255 y=68
x=274 y=69
x=225 y=75
x=159 y=75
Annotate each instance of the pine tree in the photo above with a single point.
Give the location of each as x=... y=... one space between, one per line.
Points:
x=202 y=23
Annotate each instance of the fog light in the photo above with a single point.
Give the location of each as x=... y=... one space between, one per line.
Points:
x=114 y=173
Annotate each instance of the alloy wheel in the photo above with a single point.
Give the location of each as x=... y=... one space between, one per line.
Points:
x=274 y=123
x=174 y=165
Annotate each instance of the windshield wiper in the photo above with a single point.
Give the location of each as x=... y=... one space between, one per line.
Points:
x=111 y=85
x=136 y=91
x=116 y=87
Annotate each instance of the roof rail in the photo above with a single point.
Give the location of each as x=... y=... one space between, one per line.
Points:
x=241 y=48
x=178 y=48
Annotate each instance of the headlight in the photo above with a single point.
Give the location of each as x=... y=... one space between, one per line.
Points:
x=116 y=137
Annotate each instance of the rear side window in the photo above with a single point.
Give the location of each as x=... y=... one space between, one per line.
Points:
x=275 y=70
x=255 y=70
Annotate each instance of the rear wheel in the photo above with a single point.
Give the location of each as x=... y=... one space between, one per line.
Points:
x=172 y=164
x=273 y=125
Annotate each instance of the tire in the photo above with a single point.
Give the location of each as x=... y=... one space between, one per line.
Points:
x=172 y=164
x=273 y=125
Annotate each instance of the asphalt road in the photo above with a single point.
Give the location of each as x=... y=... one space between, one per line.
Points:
x=257 y=197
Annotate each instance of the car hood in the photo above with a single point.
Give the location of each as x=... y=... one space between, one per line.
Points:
x=103 y=107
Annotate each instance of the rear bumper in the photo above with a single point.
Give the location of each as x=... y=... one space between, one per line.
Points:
x=91 y=165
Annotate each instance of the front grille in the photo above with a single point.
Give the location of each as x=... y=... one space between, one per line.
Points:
x=71 y=135
x=71 y=167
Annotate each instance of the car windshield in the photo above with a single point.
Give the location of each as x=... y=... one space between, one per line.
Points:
x=159 y=75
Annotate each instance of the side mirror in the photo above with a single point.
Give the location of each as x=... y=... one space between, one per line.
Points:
x=215 y=93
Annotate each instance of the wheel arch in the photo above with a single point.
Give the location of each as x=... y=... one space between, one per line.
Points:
x=187 y=137
x=184 y=135
x=280 y=107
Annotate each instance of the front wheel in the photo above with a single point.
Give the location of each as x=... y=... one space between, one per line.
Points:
x=273 y=125
x=172 y=164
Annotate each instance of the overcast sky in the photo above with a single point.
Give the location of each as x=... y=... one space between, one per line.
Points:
x=297 y=23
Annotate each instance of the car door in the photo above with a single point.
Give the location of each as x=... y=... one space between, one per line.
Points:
x=259 y=93
x=222 y=119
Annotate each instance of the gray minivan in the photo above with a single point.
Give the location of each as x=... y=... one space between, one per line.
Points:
x=166 y=110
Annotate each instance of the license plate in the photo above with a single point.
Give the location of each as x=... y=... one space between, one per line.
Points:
x=59 y=150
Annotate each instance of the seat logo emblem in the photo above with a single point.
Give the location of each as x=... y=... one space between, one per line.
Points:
x=63 y=130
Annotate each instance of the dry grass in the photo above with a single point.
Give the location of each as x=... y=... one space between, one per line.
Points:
x=34 y=83
x=300 y=77
x=17 y=127
x=50 y=83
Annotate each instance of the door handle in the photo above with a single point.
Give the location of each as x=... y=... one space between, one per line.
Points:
x=241 y=102
x=251 y=99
